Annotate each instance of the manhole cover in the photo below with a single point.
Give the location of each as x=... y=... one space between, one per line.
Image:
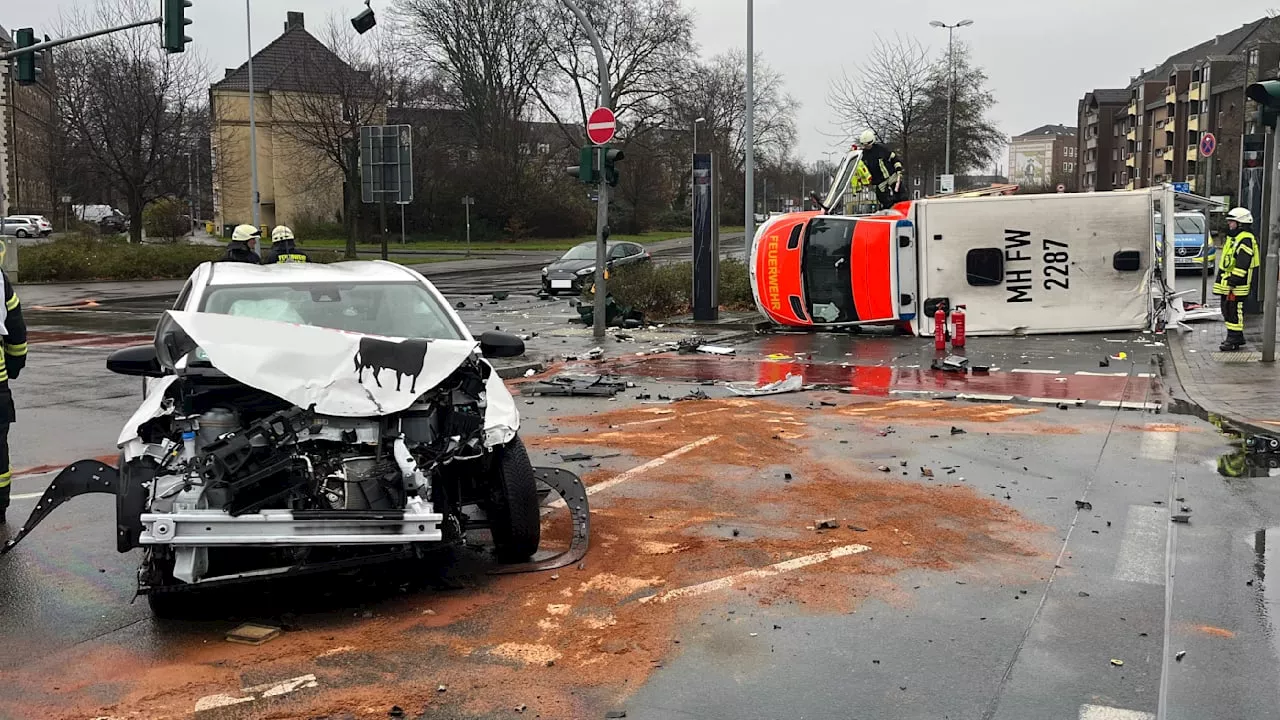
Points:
x=1237 y=357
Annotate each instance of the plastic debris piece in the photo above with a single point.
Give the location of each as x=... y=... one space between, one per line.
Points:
x=530 y=372
x=957 y=431
x=791 y=383
x=251 y=634
x=1179 y=655
x=715 y=349
x=826 y=524
x=1084 y=505
x=926 y=472
x=1116 y=662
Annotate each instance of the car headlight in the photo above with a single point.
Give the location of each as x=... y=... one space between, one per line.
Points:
x=585 y=271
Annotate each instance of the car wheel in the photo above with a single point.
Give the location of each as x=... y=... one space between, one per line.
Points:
x=513 y=514
x=20 y=233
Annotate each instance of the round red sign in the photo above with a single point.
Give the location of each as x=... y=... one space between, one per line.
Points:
x=601 y=125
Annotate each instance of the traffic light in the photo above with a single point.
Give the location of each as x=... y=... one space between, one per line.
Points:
x=1267 y=95
x=585 y=170
x=174 y=25
x=611 y=157
x=26 y=72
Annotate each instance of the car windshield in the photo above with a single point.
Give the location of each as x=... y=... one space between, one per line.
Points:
x=585 y=251
x=391 y=309
x=828 y=281
x=1184 y=224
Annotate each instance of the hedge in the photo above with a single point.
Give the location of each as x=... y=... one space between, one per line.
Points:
x=78 y=258
x=662 y=291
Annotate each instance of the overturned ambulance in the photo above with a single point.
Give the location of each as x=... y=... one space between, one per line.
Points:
x=1020 y=264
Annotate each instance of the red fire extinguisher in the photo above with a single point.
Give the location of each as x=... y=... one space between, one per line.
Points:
x=958 y=318
x=939 y=328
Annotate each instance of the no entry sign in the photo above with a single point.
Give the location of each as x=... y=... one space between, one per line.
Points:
x=601 y=125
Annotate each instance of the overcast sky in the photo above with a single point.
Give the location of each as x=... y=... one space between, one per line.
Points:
x=1039 y=60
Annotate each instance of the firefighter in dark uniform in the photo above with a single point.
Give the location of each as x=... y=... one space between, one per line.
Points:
x=1237 y=260
x=241 y=248
x=885 y=168
x=12 y=361
x=283 y=249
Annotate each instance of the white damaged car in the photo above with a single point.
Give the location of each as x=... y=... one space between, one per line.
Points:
x=304 y=416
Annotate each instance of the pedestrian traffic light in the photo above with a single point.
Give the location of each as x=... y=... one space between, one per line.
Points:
x=585 y=170
x=26 y=71
x=1267 y=95
x=611 y=156
x=174 y=25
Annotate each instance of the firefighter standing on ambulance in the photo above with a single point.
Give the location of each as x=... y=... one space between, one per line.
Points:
x=1236 y=262
x=885 y=169
x=12 y=361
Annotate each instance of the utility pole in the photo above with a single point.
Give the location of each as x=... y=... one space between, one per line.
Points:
x=602 y=202
x=253 y=126
x=1270 y=273
x=749 y=132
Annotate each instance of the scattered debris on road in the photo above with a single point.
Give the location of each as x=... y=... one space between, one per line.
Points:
x=956 y=431
x=563 y=386
x=1084 y=505
x=1183 y=519
x=251 y=634
x=1179 y=655
x=791 y=383
x=1116 y=662
x=715 y=350
x=926 y=472
x=826 y=524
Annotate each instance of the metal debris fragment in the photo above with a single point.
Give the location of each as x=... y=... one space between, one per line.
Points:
x=791 y=383
x=1084 y=505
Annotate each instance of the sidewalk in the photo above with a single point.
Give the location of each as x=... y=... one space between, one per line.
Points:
x=1237 y=386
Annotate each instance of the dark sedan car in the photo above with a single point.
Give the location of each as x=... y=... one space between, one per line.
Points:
x=574 y=270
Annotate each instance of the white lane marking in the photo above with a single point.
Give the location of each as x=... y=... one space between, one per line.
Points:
x=249 y=694
x=1098 y=374
x=1037 y=372
x=1102 y=712
x=639 y=469
x=654 y=463
x=983 y=396
x=1129 y=405
x=26 y=496
x=1141 y=557
x=1055 y=401
x=1158 y=445
x=767 y=571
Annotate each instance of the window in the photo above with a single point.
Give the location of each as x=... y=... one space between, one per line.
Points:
x=828 y=282
x=984 y=267
x=544 y=148
x=1127 y=261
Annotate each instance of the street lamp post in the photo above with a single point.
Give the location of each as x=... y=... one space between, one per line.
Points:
x=253 y=127
x=951 y=69
x=695 y=132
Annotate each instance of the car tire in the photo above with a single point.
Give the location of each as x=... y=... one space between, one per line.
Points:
x=20 y=233
x=514 y=520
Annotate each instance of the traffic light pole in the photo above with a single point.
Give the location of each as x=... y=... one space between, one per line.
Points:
x=74 y=38
x=1270 y=271
x=602 y=197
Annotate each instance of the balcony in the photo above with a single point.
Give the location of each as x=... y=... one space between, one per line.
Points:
x=1091 y=143
x=1132 y=134
x=1129 y=185
x=1133 y=108
x=1193 y=123
x=1167 y=155
x=1193 y=93
x=1091 y=167
x=1171 y=94
x=1130 y=161
x=1193 y=152
x=1191 y=183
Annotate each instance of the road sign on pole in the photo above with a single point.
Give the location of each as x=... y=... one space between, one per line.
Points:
x=467 y=202
x=601 y=125
x=1208 y=144
x=386 y=163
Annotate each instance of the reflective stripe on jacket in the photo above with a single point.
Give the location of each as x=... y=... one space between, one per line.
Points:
x=1236 y=263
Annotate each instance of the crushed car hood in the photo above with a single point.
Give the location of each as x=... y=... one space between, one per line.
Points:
x=330 y=371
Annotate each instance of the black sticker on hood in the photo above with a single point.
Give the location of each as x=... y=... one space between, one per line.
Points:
x=405 y=357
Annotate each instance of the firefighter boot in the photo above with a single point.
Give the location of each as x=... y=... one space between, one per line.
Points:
x=1234 y=341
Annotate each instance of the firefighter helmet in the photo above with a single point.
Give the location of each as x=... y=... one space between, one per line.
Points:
x=1241 y=215
x=868 y=137
x=281 y=233
x=245 y=233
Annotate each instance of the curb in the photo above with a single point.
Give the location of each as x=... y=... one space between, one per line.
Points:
x=1190 y=402
x=1152 y=407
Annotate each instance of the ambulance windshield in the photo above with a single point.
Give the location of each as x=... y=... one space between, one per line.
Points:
x=828 y=281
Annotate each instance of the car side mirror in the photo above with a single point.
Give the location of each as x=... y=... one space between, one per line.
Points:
x=495 y=344
x=139 y=360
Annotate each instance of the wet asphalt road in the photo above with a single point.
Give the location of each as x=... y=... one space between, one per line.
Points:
x=1018 y=618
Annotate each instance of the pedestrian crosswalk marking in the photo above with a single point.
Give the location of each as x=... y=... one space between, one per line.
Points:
x=1141 y=557
x=1102 y=712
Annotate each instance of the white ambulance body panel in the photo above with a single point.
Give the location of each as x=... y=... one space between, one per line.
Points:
x=1034 y=264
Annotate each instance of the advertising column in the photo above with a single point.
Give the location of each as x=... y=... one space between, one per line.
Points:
x=706 y=240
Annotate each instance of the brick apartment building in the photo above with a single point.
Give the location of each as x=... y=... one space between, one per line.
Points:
x=27 y=122
x=1044 y=158
x=1153 y=136
x=1101 y=139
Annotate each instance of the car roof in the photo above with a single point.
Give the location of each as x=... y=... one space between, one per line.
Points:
x=236 y=273
x=609 y=243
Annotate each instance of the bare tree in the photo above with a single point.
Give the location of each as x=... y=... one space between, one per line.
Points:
x=648 y=45
x=328 y=92
x=127 y=106
x=976 y=141
x=887 y=93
